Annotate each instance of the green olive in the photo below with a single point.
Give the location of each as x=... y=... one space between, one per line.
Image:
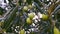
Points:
x=59 y=32
x=56 y=31
x=25 y=8
x=4 y=30
x=1 y=23
x=22 y=32
x=24 y=0
x=44 y=17
x=28 y=21
x=29 y=6
x=31 y=15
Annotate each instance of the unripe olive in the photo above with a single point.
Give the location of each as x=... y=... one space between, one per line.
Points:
x=22 y=32
x=56 y=31
x=1 y=23
x=28 y=21
x=44 y=17
x=29 y=6
x=25 y=8
x=24 y=0
x=4 y=30
x=31 y=15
